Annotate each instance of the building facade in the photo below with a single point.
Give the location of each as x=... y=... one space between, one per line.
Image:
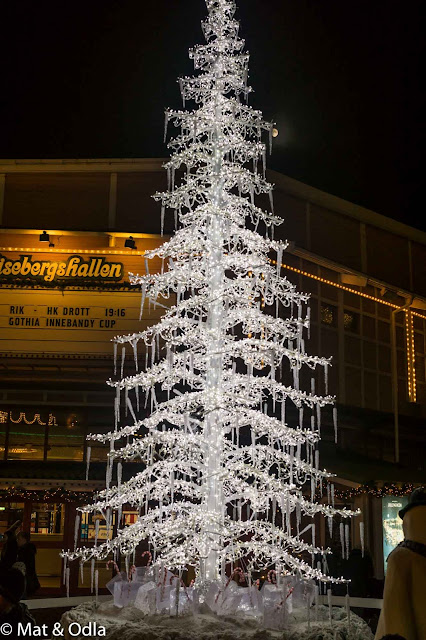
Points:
x=65 y=293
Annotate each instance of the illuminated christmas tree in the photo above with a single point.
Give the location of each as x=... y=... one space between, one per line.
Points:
x=225 y=476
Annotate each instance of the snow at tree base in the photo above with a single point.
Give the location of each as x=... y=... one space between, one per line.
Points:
x=228 y=485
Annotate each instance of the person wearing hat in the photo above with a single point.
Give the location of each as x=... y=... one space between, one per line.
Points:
x=404 y=600
x=12 y=612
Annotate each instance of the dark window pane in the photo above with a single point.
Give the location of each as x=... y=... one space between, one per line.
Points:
x=352 y=350
x=351 y=321
x=353 y=386
x=401 y=363
x=384 y=311
x=370 y=355
x=420 y=369
x=418 y=323
x=401 y=340
x=384 y=359
x=421 y=394
x=369 y=306
x=385 y=393
x=309 y=285
x=369 y=327
x=351 y=300
x=419 y=343
x=383 y=331
x=329 y=315
x=329 y=292
x=329 y=343
x=370 y=390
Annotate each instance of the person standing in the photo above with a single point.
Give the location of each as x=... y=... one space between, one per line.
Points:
x=10 y=546
x=404 y=612
x=12 y=611
x=27 y=554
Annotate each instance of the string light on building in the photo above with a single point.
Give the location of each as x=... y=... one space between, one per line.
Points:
x=226 y=478
x=411 y=356
x=5 y=415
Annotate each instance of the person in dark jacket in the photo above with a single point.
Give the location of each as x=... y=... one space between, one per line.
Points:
x=10 y=546
x=12 y=612
x=26 y=554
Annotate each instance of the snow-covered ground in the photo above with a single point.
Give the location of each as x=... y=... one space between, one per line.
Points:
x=130 y=623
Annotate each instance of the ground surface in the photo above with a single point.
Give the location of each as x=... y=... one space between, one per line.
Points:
x=130 y=624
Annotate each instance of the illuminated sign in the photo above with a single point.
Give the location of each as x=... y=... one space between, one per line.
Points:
x=75 y=267
x=392 y=524
x=73 y=322
x=48 y=306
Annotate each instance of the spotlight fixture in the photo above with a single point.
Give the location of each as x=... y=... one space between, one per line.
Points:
x=130 y=243
x=44 y=237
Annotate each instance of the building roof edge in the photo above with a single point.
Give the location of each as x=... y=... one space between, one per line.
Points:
x=349 y=209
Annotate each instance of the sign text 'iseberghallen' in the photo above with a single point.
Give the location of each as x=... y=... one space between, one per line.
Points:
x=48 y=271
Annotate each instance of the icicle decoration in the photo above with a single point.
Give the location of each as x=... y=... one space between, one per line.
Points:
x=361 y=535
x=330 y=608
x=348 y=612
x=92 y=574
x=88 y=454
x=76 y=530
x=347 y=541
x=335 y=423
x=342 y=538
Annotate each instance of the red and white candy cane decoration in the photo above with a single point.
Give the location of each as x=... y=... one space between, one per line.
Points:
x=290 y=591
x=114 y=564
x=149 y=554
x=272 y=576
x=182 y=583
x=132 y=572
x=241 y=577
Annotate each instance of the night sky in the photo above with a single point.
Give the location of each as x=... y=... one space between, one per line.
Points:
x=342 y=79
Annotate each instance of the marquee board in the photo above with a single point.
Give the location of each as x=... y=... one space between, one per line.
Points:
x=75 y=322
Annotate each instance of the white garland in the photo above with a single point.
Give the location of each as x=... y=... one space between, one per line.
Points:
x=224 y=477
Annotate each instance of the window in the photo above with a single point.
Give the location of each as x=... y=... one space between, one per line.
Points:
x=40 y=434
x=47 y=518
x=27 y=435
x=66 y=439
x=329 y=315
x=88 y=527
x=10 y=512
x=351 y=321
